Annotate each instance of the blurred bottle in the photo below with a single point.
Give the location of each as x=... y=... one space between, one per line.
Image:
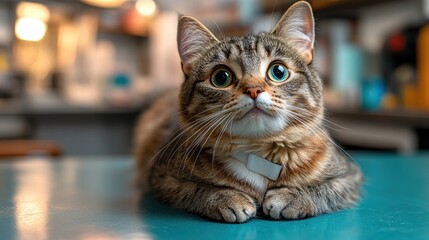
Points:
x=400 y=63
x=11 y=83
x=5 y=83
x=373 y=90
x=119 y=92
x=347 y=65
x=423 y=67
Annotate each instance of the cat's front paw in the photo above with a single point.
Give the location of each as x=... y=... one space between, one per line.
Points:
x=230 y=206
x=288 y=203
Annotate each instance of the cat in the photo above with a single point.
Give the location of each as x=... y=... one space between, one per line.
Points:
x=245 y=134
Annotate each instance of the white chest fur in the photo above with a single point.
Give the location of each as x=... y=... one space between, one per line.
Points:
x=241 y=172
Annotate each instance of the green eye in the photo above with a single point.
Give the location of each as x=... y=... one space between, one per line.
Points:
x=278 y=73
x=221 y=78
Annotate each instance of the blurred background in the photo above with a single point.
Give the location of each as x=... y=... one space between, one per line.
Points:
x=74 y=75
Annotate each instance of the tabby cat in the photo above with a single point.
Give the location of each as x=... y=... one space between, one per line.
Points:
x=245 y=135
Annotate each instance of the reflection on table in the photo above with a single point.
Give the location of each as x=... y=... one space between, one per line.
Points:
x=94 y=198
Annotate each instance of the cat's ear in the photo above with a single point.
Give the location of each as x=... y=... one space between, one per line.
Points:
x=297 y=27
x=192 y=38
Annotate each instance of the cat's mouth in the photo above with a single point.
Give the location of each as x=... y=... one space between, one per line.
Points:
x=256 y=121
x=255 y=111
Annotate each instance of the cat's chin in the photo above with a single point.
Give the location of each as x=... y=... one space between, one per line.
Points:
x=257 y=123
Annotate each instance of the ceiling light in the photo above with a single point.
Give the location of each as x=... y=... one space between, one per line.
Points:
x=30 y=29
x=146 y=7
x=105 y=3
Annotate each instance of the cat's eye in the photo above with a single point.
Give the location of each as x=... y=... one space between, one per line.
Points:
x=278 y=73
x=222 y=78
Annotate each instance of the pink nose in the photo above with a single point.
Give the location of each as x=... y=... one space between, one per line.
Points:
x=253 y=92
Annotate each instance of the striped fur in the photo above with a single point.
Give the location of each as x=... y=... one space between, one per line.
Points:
x=185 y=140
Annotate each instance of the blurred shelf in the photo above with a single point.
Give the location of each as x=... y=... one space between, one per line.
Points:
x=29 y=108
x=324 y=5
x=324 y=8
x=232 y=30
x=122 y=32
x=396 y=117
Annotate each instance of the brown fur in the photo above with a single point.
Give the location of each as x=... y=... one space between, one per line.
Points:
x=185 y=140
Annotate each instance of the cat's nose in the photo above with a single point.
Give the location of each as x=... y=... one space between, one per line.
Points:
x=253 y=92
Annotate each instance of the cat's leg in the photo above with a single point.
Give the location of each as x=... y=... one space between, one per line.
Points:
x=335 y=193
x=217 y=203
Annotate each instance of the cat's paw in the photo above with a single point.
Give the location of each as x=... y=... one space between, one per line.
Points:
x=288 y=203
x=231 y=206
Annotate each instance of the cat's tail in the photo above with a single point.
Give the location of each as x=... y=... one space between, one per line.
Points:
x=154 y=129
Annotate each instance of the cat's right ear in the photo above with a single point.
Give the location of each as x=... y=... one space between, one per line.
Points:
x=296 y=26
x=192 y=38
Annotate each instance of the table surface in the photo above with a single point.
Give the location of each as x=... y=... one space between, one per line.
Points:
x=94 y=198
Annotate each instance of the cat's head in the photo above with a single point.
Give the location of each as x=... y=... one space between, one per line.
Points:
x=253 y=86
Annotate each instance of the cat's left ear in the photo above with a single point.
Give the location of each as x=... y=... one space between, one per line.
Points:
x=297 y=27
x=192 y=39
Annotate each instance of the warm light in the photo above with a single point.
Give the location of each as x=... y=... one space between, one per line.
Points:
x=30 y=29
x=32 y=10
x=105 y=3
x=67 y=41
x=146 y=7
x=31 y=22
x=32 y=199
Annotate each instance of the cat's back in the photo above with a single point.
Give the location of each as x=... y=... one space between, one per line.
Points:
x=154 y=128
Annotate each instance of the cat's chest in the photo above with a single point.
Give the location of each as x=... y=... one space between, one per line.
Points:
x=240 y=171
x=255 y=177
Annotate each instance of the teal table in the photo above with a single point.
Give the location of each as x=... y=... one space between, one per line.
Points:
x=93 y=198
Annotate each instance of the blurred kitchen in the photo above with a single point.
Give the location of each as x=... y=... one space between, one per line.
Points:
x=74 y=75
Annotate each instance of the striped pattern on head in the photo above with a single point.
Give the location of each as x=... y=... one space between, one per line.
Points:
x=253 y=86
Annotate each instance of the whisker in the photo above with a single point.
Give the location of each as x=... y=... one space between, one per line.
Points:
x=218 y=28
x=183 y=131
x=305 y=111
x=214 y=127
x=223 y=130
x=196 y=115
x=320 y=130
x=208 y=121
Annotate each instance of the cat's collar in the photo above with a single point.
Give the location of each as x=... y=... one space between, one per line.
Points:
x=258 y=164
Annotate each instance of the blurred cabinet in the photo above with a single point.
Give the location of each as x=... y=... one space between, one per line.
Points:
x=86 y=134
x=98 y=130
x=403 y=131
